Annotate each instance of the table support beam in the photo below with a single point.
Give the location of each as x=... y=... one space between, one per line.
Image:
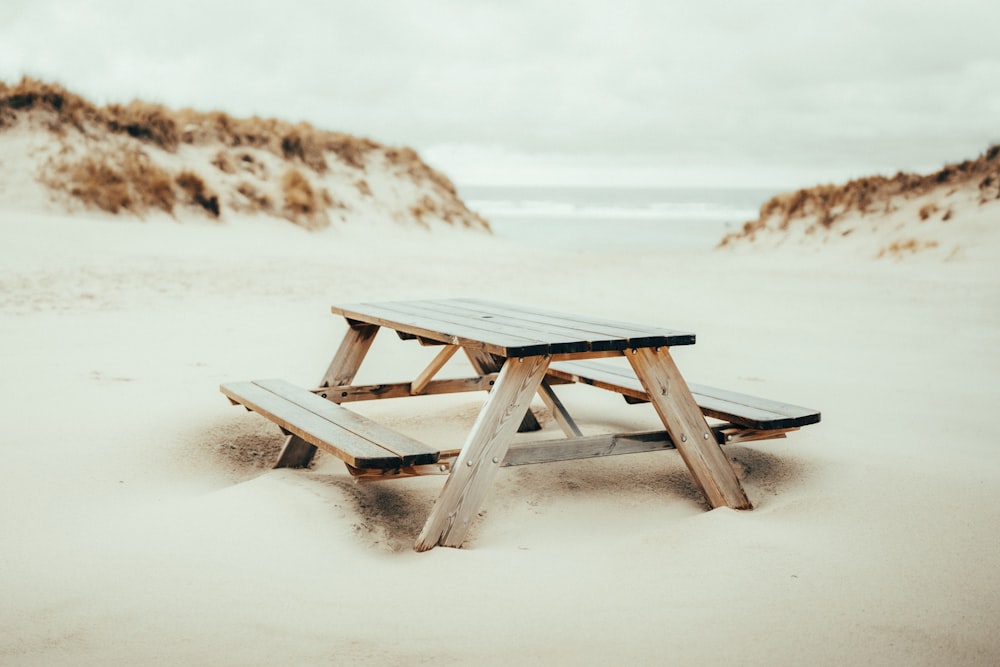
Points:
x=352 y=351
x=296 y=452
x=485 y=363
x=418 y=385
x=559 y=411
x=684 y=421
x=476 y=467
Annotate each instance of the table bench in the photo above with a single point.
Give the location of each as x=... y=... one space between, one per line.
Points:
x=516 y=351
x=750 y=411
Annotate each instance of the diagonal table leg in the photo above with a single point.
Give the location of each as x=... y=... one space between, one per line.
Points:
x=349 y=355
x=297 y=453
x=687 y=427
x=485 y=363
x=477 y=465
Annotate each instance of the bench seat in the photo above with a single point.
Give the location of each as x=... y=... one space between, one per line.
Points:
x=750 y=411
x=351 y=437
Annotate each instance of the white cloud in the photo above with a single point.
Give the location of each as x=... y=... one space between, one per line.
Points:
x=781 y=86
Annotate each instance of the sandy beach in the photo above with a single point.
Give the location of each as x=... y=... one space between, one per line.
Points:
x=143 y=525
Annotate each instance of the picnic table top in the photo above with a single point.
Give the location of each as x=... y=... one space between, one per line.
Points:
x=509 y=330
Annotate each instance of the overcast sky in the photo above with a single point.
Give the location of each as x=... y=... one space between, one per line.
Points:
x=780 y=93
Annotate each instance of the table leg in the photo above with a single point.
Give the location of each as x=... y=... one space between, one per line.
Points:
x=296 y=452
x=349 y=355
x=686 y=424
x=479 y=461
x=485 y=363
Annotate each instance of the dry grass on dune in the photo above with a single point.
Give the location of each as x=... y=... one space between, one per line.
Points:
x=117 y=174
x=304 y=203
x=167 y=129
x=829 y=203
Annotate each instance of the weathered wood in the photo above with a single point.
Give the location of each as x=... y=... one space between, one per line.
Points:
x=559 y=412
x=507 y=331
x=371 y=392
x=587 y=327
x=485 y=448
x=351 y=437
x=584 y=447
x=423 y=379
x=731 y=434
x=382 y=474
x=601 y=354
x=295 y=453
x=483 y=362
x=750 y=411
x=669 y=394
x=352 y=351
x=409 y=450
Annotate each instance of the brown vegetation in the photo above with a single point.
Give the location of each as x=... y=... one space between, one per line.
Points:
x=829 y=203
x=197 y=192
x=167 y=129
x=899 y=249
x=123 y=142
x=303 y=203
x=255 y=200
x=124 y=180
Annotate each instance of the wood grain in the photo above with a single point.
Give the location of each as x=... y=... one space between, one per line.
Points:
x=437 y=363
x=559 y=411
x=684 y=421
x=477 y=464
x=484 y=362
x=352 y=351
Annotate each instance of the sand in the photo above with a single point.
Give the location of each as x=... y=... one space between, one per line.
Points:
x=142 y=523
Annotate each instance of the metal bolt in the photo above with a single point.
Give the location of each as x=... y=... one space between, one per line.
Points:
x=705 y=436
x=443 y=468
x=496 y=459
x=469 y=463
x=635 y=351
x=323 y=395
x=343 y=394
x=684 y=438
x=729 y=438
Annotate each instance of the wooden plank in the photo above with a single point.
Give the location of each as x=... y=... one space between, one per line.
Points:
x=369 y=392
x=750 y=411
x=352 y=351
x=311 y=427
x=506 y=330
x=603 y=376
x=584 y=447
x=295 y=453
x=559 y=412
x=477 y=465
x=454 y=315
x=573 y=339
x=398 y=316
x=596 y=446
x=669 y=394
x=599 y=354
x=585 y=326
x=440 y=359
x=548 y=451
x=409 y=450
x=753 y=411
x=484 y=362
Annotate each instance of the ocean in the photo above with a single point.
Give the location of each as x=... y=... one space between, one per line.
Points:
x=614 y=218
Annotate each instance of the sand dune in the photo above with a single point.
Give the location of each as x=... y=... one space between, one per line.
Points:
x=140 y=159
x=942 y=215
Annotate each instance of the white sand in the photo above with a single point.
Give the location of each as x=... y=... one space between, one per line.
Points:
x=142 y=525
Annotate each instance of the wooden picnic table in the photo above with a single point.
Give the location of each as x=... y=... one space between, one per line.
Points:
x=516 y=351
